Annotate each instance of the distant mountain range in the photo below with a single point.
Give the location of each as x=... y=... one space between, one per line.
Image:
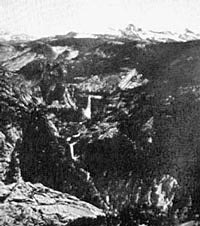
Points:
x=6 y=36
x=134 y=33
x=130 y=32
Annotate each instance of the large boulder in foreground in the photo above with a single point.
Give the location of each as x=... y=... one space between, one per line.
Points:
x=29 y=204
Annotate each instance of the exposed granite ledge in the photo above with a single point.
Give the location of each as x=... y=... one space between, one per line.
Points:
x=24 y=203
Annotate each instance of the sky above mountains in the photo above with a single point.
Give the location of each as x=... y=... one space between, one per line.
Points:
x=51 y=17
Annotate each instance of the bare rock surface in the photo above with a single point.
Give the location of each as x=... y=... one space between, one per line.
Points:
x=24 y=203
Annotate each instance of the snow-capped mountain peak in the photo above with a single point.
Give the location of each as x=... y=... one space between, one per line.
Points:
x=134 y=33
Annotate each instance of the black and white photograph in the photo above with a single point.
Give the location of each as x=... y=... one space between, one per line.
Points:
x=99 y=113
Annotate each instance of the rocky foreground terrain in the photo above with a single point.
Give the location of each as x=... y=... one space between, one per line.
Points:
x=112 y=121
